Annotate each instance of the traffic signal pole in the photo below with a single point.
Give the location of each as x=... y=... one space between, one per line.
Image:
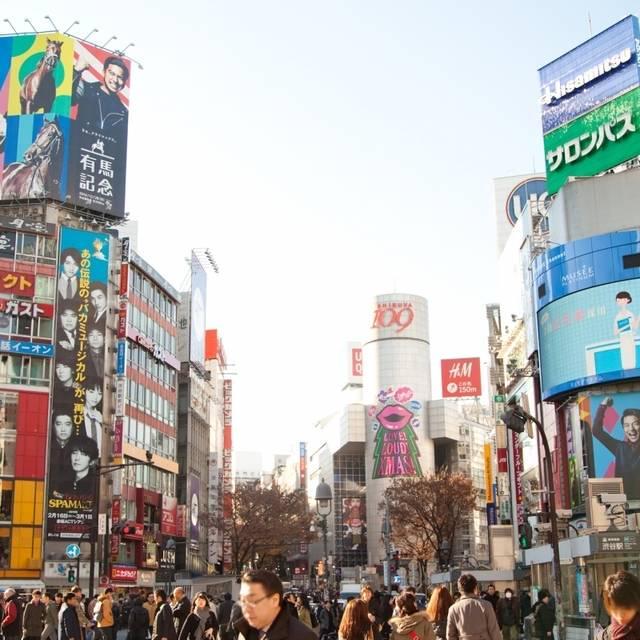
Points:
x=515 y=417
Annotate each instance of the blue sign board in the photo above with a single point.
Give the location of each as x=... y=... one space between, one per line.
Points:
x=590 y=262
x=43 y=350
x=72 y=551
x=121 y=359
x=593 y=73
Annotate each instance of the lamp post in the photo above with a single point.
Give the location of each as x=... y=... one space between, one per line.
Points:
x=101 y=470
x=516 y=418
x=324 y=498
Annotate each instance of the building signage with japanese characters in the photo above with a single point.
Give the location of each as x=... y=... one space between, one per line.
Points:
x=27 y=348
x=66 y=111
x=26 y=226
x=227 y=472
x=26 y=308
x=17 y=283
x=77 y=421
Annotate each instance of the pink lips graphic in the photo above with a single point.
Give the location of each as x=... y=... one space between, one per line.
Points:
x=394 y=417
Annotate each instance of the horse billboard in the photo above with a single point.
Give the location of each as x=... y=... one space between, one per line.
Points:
x=64 y=112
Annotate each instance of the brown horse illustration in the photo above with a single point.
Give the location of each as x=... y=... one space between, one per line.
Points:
x=34 y=177
x=38 y=90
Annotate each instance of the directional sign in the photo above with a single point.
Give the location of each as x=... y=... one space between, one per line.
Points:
x=72 y=551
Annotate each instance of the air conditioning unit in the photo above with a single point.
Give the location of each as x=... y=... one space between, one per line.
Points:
x=597 y=517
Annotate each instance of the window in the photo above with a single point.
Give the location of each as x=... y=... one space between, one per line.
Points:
x=8 y=410
x=46 y=249
x=6 y=500
x=26 y=246
x=5 y=547
x=7 y=453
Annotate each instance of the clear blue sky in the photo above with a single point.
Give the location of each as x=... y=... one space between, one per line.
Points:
x=326 y=152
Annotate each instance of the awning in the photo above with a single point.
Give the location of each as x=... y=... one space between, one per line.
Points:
x=22 y=585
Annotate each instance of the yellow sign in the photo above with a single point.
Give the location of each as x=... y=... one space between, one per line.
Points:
x=488 y=472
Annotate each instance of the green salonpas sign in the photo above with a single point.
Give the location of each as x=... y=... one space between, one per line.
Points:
x=596 y=142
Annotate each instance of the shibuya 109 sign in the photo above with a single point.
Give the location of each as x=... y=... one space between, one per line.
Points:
x=396 y=316
x=596 y=142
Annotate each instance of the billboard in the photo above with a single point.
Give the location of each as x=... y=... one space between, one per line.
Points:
x=65 y=106
x=614 y=424
x=194 y=510
x=461 y=377
x=198 y=310
x=600 y=140
x=227 y=472
x=354 y=524
x=590 y=75
x=589 y=337
x=77 y=413
x=354 y=372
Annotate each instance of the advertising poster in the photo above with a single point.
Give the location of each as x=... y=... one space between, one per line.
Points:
x=194 y=510
x=461 y=377
x=354 y=527
x=614 y=422
x=590 y=337
x=198 y=310
x=64 y=108
x=574 y=451
x=77 y=413
x=395 y=421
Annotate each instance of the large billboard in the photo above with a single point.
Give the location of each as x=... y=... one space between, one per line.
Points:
x=64 y=110
x=614 y=423
x=198 y=310
x=354 y=524
x=590 y=337
x=600 y=140
x=590 y=75
x=77 y=420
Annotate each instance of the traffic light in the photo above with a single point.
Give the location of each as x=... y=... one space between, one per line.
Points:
x=71 y=575
x=514 y=418
x=524 y=535
x=128 y=530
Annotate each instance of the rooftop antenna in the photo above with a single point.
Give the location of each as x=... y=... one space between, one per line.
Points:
x=73 y=24
x=9 y=23
x=51 y=22
x=30 y=24
x=104 y=46
x=90 y=34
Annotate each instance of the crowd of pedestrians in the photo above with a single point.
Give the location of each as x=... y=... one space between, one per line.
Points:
x=264 y=612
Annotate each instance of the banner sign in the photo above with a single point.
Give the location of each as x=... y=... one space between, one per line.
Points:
x=18 y=283
x=461 y=378
x=26 y=226
x=26 y=308
x=169 y=522
x=27 y=348
x=124 y=574
x=67 y=111
x=227 y=472
x=194 y=510
x=518 y=470
x=77 y=418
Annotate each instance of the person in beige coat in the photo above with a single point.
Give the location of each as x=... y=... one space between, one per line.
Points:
x=471 y=618
x=410 y=624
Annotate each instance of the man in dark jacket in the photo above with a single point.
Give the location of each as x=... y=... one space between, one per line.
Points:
x=264 y=614
x=52 y=608
x=12 y=620
x=181 y=608
x=33 y=617
x=223 y=613
x=492 y=596
x=326 y=620
x=138 y=621
x=163 y=625
x=508 y=614
x=69 y=623
x=545 y=616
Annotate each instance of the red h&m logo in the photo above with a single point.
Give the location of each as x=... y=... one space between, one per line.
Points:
x=461 y=378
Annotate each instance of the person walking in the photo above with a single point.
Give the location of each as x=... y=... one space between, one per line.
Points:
x=181 y=608
x=355 y=623
x=69 y=624
x=367 y=596
x=621 y=598
x=492 y=596
x=103 y=615
x=85 y=623
x=508 y=614
x=163 y=624
x=326 y=620
x=304 y=611
x=201 y=623
x=223 y=614
x=437 y=610
x=544 y=616
x=410 y=624
x=150 y=607
x=52 y=608
x=33 y=617
x=264 y=615
x=12 y=621
x=471 y=616
x=138 y=621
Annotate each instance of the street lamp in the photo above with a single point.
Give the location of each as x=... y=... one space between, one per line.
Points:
x=324 y=498
x=101 y=470
x=516 y=418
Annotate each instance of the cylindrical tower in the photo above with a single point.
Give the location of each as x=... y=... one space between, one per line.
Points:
x=396 y=387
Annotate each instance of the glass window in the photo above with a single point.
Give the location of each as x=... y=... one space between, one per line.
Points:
x=24 y=325
x=5 y=546
x=6 y=500
x=45 y=328
x=26 y=244
x=133 y=392
x=8 y=410
x=7 y=453
x=45 y=287
x=46 y=249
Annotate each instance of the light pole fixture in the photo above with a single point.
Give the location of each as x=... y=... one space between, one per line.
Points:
x=516 y=419
x=324 y=499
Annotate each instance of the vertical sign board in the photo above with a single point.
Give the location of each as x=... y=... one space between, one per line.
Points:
x=227 y=477
x=77 y=417
x=303 y=465
x=354 y=373
x=518 y=470
x=194 y=510
x=198 y=310
x=65 y=106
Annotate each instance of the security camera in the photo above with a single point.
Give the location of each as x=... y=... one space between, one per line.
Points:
x=149 y=456
x=612 y=498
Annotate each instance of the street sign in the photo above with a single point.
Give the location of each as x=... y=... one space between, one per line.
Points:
x=498 y=398
x=104 y=581
x=72 y=551
x=102 y=524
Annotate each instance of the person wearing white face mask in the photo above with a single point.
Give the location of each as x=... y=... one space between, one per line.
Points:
x=508 y=614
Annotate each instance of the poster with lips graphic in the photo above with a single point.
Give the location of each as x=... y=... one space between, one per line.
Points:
x=395 y=423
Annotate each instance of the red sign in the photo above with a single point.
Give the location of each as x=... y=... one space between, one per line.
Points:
x=182 y=520
x=118 y=429
x=115 y=519
x=518 y=470
x=22 y=284
x=26 y=308
x=121 y=573
x=124 y=279
x=122 y=319
x=397 y=315
x=461 y=378
x=503 y=465
x=169 y=522
x=356 y=362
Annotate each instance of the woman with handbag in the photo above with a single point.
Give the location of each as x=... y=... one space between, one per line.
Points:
x=201 y=623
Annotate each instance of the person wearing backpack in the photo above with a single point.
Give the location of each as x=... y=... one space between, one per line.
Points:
x=12 y=621
x=138 y=621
